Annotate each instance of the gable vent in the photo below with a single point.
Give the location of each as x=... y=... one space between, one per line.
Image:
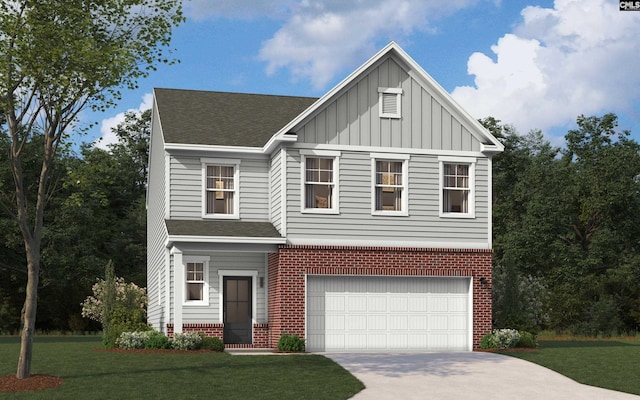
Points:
x=390 y=101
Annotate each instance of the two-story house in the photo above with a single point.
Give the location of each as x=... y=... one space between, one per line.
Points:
x=360 y=221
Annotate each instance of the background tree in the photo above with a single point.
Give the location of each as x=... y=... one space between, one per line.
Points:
x=58 y=59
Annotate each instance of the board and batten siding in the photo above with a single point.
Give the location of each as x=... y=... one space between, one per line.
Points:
x=156 y=230
x=355 y=222
x=353 y=118
x=245 y=261
x=186 y=189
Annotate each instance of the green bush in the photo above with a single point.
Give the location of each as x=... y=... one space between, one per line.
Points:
x=290 y=343
x=186 y=341
x=527 y=339
x=488 y=342
x=212 y=343
x=156 y=340
x=124 y=320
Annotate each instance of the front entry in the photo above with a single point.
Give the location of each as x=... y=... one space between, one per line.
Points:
x=237 y=303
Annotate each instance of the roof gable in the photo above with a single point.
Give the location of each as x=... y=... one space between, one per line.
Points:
x=224 y=119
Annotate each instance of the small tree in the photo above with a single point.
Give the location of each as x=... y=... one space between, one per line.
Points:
x=117 y=305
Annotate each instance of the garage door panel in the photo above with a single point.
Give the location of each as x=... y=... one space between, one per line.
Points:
x=387 y=313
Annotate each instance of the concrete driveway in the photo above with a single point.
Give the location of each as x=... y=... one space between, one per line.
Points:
x=477 y=376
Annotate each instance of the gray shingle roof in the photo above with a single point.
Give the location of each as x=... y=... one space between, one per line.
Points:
x=222 y=228
x=225 y=119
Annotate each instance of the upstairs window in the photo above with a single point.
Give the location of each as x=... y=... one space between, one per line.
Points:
x=457 y=187
x=320 y=181
x=221 y=189
x=390 y=100
x=390 y=186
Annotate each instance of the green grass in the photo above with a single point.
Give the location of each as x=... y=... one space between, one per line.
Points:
x=610 y=364
x=92 y=374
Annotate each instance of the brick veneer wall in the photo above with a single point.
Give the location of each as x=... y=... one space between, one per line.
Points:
x=260 y=333
x=288 y=268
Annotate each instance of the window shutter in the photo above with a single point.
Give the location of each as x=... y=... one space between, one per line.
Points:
x=389 y=103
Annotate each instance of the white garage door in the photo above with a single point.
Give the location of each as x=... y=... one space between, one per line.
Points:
x=354 y=313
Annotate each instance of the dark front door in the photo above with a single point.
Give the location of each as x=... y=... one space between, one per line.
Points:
x=237 y=309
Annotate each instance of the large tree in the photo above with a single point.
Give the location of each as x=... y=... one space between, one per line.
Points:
x=58 y=58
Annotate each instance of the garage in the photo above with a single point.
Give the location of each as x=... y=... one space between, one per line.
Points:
x=388 y=314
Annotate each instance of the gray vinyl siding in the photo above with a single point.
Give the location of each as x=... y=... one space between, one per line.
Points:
x=353 y=118
x=228 y=261
x=187 y=189
x=275 y=183
x=355 y=221
x=156 y=231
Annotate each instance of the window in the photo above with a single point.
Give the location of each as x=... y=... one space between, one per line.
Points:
x=320 y=181
x=221 y=188
x=390 y=100
x=457 y=182
x=390 y=186
x=196 y=286
x=195 y=281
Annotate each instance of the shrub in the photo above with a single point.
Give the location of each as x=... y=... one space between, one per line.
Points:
x=506 y=338
x=527 y=340
x=156 y=340
x=290 y=343
x=186 y=341
x=488 y=341
x=132 y=340
x=123 y=320
x=212 y=343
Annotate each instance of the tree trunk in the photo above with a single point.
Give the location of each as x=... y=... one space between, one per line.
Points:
x=29 y=315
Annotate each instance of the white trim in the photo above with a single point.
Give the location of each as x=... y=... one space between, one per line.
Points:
x=167 y=186
x=178 y=288
x=390 y=150
x=283 y=192
x=167 y=291
x=226 y=162
x=490 y=202
x=404 y=159
x=210 y=148
x=471 y=314
x=335 y=198
x=398 y=93
x=224 y=239
x=205 y=290
x=427 y=244
x=471 y=161
x=254 y=292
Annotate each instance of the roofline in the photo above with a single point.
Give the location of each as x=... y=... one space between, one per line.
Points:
x=493 y=147
x=210 y=147
x=223 y=239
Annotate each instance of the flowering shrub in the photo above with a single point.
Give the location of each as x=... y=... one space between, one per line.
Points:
x=186 y=341
x=128 y=295
x=506 y=338
x=133 y=340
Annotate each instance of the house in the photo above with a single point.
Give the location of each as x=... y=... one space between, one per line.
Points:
x=360 y=221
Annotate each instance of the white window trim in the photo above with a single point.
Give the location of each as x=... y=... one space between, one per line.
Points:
x=471 y=162
x=404 y=158
x=225 y=162
x=205 y=290
x=254 y=291
x=398 y=92
x=335 y=203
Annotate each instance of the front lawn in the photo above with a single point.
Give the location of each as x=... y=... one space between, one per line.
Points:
x=605 y=363
x=92 y=374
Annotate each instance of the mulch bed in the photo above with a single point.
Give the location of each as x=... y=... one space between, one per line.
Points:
x=10 y=383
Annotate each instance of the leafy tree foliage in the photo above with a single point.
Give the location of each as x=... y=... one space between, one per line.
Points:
x=569 y=219
x=58 y=58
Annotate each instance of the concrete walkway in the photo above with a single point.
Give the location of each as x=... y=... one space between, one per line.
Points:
x=455 y=376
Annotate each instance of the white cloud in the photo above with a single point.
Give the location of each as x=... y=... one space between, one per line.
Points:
x=108 y=124
x=323 y=37
x=580 y=57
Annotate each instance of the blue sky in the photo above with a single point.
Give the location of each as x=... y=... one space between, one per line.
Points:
x=532 y=64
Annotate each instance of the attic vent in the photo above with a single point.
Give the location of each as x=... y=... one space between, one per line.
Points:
x=390 y=101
